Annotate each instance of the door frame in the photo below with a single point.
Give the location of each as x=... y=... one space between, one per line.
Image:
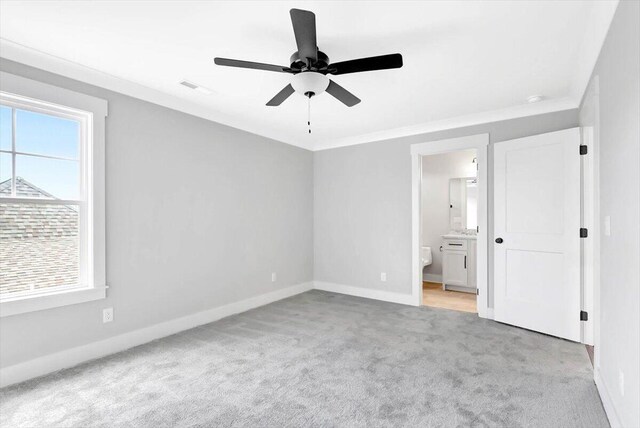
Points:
x=480 y=142
x=590 y=207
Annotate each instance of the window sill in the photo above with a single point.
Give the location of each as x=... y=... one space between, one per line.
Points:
x=52 y=300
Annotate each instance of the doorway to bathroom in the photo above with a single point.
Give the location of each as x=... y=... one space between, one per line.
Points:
x=450 y=224
x=449 y=217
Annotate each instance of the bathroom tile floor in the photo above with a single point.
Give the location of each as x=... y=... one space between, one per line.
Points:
x=433 y=295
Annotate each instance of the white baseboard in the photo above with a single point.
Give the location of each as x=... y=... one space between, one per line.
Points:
x=607 y=402
x=460 y=289
x=74 y=356
x=387 y=296
x=432 y=277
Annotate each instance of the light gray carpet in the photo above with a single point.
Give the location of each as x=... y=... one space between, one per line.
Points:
x=323 y=359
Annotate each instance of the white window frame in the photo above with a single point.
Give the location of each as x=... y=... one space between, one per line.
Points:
x=90 y=112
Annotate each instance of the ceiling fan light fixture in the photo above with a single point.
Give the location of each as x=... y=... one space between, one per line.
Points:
x=310 y=82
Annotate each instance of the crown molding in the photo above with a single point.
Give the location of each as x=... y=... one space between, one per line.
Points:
x=600 y=18
x=34 y=58
x=31 y=57
x=514 y=112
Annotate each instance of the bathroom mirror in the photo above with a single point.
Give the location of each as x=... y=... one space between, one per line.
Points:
x=463 y=203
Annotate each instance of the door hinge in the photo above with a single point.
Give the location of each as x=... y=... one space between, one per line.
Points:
x=583 y=149
x=477 y=291
x=584 y=316
x=584 y=232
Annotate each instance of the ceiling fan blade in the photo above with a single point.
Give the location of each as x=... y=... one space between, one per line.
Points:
x=253 y=65
x=383 y=62
x=281 y=96
x=304 y=28
x=344 y=96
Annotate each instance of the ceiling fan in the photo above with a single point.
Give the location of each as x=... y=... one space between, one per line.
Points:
x=310 y=66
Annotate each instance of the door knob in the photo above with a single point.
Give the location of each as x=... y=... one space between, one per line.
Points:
x=499 y=240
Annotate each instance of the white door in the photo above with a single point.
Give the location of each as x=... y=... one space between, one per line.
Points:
x=537 y=233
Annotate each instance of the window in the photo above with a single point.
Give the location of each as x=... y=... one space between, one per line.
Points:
x=51 y=196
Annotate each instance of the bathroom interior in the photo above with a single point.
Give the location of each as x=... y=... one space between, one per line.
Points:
x=449 y=197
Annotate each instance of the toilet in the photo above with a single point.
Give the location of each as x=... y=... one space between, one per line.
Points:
x=426 y=256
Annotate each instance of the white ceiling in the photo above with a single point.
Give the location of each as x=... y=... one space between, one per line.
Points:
x=460 y=58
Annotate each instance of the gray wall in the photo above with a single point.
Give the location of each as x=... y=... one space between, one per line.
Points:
x=198 y=216
x=618 y=68
x=362 y=203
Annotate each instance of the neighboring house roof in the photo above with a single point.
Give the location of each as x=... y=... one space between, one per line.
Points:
x=35 y=220
x=38 y=242
x=25 y=189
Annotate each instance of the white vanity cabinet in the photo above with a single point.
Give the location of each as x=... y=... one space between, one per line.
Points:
x=459 y=263
x=453 y=270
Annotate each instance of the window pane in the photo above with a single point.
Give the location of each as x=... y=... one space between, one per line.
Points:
x=5 y=128
x=5 y=174
x=39 y=247
x=47 y=135
x=47 y=178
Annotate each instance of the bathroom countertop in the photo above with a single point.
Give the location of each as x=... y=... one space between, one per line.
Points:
x=459 y=236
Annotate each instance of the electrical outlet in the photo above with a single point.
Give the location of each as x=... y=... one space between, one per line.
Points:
x=621 y=381
x=383 y=276
x=273 y=277
x=607 y=225
x=107 y=315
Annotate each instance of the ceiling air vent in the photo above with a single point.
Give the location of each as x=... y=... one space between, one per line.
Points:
x=195 y=87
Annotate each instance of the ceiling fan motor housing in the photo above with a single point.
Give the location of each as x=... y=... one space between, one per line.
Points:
x=304 y=64
x=310 y=83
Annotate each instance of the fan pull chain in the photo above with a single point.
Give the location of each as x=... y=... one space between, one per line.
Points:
x=309 y=113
